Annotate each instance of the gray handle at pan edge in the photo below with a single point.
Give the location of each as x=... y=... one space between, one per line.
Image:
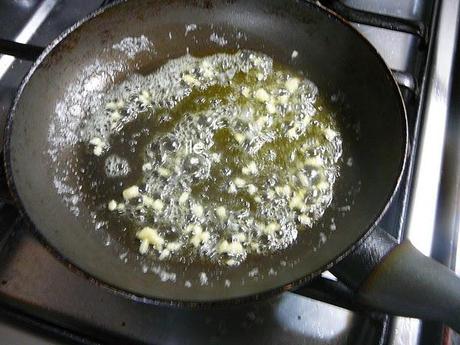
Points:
x=398 y=279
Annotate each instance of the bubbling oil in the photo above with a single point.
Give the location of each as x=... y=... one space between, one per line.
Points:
x=214 y=158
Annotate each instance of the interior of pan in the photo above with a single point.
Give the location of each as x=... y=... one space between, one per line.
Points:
x=52 y=104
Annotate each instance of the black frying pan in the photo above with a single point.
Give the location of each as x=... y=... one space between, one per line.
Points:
x=81 y=63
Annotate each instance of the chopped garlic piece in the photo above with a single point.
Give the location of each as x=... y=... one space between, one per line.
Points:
x=235 y=248
x=158 y=205
x=115 y=115
x=314 y=161
x=147 y=201
x=120 y=207
x=304 y=181
x=292 y=132
x=287 y=190
x=322 y=185
x=306 y=120
x=239 y=137
x=197 y=229
x=173 y=246
x=144 y=247
x=232 y=188
x=239 y=182
x=197 y=210
x=257 y=199
x=131 y=192
x=152 y=236
x=115 y=105
x=241 y=237
x=231 y=262
x=270 y=194
x=199 y=236
x=305 y=220
x=223 y=247
x=297 y=202
x=195 y=240
x=255 y=246
x=183 y=198
x=189 y=228
x=261 y=121
x=206 y=64
x=262 y=95
x=271 y=228
x=164 y=172
x=205 y=235
x=147 y=167
x=260 y=76
x=221 y=212
x=245 y=92
x=330 y=134
x=96 y=142
x=251 y=168
x=164 y=254
x=97 y=150
x=208 y=73
x=299 y=164
x=145 y=98
x=252 y=189
x=257 y=60
x=112 y=206
x=260 y=227
x=216 y=157
x=292 y=84
x=284 y=99
x=191 y=80
x=294 y=54
x=271 y=108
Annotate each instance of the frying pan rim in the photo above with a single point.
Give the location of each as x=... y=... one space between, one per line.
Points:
x=198 y=303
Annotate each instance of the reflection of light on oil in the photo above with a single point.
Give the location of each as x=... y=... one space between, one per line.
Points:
x=318 y=320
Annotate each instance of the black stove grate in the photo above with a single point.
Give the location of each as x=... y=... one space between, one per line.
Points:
x=414 y=27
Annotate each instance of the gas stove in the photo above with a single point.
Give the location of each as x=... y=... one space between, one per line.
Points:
x=41 y=301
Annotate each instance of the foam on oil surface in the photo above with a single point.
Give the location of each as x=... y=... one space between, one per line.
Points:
x=238 y=156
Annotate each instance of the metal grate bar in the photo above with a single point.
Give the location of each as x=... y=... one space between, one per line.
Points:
x=414 y=27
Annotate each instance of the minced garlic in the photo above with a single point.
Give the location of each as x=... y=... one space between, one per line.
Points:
x=131 y=192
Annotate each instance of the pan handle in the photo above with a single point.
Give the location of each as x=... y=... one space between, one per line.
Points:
x=398 y=279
